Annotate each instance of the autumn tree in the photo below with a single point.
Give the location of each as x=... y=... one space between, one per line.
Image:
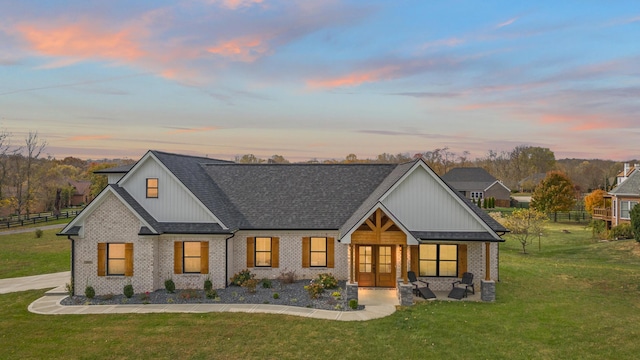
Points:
x=595 y=199
x=98 y=181
x=248 y=159
x=525 y=225
x=555 y=193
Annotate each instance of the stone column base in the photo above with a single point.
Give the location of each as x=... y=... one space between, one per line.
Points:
x=352 y=291
x=488 y=290
x=405 y=293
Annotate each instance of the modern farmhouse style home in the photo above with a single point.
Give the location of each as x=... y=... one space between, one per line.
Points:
x=192 y=218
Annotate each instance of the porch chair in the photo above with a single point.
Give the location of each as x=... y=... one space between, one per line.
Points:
x=422 y=291
x=466 y=282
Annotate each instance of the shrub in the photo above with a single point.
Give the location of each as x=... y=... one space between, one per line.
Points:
x=208 y=285
x=128 y=291
x=635 y=222
x=622 y=231
x=170 y=286
x=89 y=292
x=239 y=278
x=328 y=281
x=598 y=229
x=189 y=294
x=314 y=289
x=211 y=294
x=68 y=287
x=251 y=285
x=266 y=283
x=276 y=296
x=287 y=277
x=39 y=233
x=353 y=303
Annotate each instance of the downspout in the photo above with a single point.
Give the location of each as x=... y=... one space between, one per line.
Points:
x=226 y=259
x=73 y=262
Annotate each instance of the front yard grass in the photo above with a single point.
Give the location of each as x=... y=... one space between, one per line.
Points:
x=24 y=254
x=573 y=299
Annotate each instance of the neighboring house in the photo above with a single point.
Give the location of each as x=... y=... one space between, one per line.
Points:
x=192 y=218
x=625 y=173
x=623 y=197
x=476 y=183
x=81 y=192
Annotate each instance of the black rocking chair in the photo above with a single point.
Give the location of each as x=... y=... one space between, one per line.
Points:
x=461 y=287
x=422 y=291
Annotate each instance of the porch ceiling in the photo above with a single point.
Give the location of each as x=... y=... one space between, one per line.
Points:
x=428 y=236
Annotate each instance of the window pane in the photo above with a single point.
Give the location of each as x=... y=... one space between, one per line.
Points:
x=116 y=251
x=263 y=258
x=428 y=251
x=192 y=265
x=427 y=268
x=318 y=259
x=448 y=268
x=115 y=267
x=263 y=244
x=318 y=244
x=152 y=188
x=191 y=248
x=448 y=252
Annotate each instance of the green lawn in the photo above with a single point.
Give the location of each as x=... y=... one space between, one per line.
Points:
x=24 y=254
x=573 y=299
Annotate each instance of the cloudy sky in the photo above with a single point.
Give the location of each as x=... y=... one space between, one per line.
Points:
x=322 y=79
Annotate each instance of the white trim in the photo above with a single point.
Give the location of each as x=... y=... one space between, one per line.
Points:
x=150 y=154
x=499 y=182
x=97 y=202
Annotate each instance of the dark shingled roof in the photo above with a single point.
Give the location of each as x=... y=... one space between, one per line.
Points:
x=297 y=196
x=427 y=236
x=631 y=186
x=73 y=231
x=468 y=179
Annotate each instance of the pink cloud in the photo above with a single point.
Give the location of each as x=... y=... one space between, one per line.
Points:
x=242 y=49
x=581 y=122
x=357 y=78
x=507 y=23
x=451 y=42
x=82 y=41
x=236 y=4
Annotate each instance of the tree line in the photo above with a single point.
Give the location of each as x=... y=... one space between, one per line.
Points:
x=31 y=181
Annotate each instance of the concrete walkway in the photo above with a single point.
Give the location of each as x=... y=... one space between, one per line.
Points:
x=378 y=303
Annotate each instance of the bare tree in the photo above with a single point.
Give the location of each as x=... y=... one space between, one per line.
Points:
x=34 y=147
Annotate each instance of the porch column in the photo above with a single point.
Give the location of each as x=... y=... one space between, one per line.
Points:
x=352 y=266
x=405 y=280
x=487 y=259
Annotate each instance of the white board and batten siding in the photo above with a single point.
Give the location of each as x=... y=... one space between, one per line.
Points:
x=423 y=204
x=174 y=202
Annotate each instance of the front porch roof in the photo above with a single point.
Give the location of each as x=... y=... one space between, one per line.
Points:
x=428 y=236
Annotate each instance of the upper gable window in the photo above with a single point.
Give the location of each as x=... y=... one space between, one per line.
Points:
x=152 y=188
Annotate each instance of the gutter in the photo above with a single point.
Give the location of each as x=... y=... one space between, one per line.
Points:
x=73 y=262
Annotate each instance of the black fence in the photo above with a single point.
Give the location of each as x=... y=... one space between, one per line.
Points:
x=16 y=221
x=570 y=216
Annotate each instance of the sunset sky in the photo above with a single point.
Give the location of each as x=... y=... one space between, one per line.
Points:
x=322 y=79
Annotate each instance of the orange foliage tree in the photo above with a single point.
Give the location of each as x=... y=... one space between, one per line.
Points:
x=595 y=199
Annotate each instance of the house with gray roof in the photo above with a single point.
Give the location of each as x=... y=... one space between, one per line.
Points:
x=476 y=183
x=623 y=198
x=189 y=219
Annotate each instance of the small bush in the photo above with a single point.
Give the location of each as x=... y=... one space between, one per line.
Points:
x=328 y=281
x=211 y=294
x=189 y=294
x=239 y=278
x=314 y=289
x=208 y=285
x=128 y=291
x=287 y=277
x=89 y=292
x=251 y=285
x=266 y=283
x=170 y=286
x=621 y=231
x=353 y=304
x=68 y=287
x=39 y=233
x=276 y=296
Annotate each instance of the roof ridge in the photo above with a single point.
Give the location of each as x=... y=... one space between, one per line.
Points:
x=189 y=156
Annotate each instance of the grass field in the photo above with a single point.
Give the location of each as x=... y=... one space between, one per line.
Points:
x=24 y=254
x=573 y=299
